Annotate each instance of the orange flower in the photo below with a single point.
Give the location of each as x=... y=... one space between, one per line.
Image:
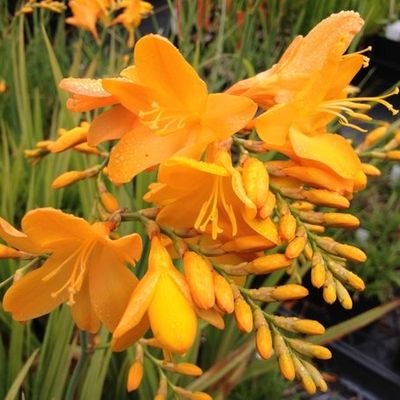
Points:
x=85 y=269
x=163 y=109
x=304 y=57
x=163 y=296
x=207 y=196
x=86 y=13
x=133 y=12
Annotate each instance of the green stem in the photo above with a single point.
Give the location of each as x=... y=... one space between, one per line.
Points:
x=76 y=375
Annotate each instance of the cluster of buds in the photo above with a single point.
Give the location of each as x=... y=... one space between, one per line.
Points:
x=50 y=5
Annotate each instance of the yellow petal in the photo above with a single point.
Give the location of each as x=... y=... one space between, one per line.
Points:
x=31 y=296
x=330 y=150
x=17 y=239
x=172 y=319
x=172 y=79
x=128 y=248
x=138 y=303
x=111 y=284
x=138 y=150
x=227 y=114
x=83 y=312
x=131 y=336
x=50 y=228
x=111 y=125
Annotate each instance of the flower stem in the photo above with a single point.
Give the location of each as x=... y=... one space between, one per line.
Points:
x=83 y=337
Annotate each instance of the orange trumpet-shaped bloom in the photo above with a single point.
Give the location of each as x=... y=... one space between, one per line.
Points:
x=207 y=196
x=85 y=269
x=162 y=109
x=163 y=296
x=305 y=56
x=133 y=13
x=85 y=14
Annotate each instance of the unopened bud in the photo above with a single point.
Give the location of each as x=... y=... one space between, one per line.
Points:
x=243 y=315
x=393 y=155
x=289 y=292
x=255 y=181
x=329 y=290
x=268 y=263
x=318 y=270
x=306 y=379
x=310 y=350
x=343 y=296
x=109 y=201
x=187 y=369
x=340 y=220
x=135 y=376
x=264 y=341
x=295 y=247
x=200 y=279
x=285 y=360
x=316 y=376
x=70 y=138
x=370 y=170
x=9 y=252
x=70 y=177
x=325 y=198
x=287 y=227
x=223 y=294
x=350 y=252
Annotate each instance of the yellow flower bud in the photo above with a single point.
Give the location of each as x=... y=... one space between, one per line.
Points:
x=329 y=290
x=308 y=251
x=9 y=252
x=70 y=177
x=370 y=170
x=318 y=273
x=305 y=376
x=223 y=294
x=295 y=247
x=243 y=315
x=187 y=394
x=255 y=181
x=343 y=296
x=310 y=350
x=268 y=263
x=109 y=201
x=350 y=252
x=268 y=208
x=264 y=341
x=316 y=376
x=308 y=326
x=289 y=292
x=287 y=227
x=303 y=205
x=285 y=360
x=135 y=376
x=340 y=220
x=373 y=136
x=188 y=369
x=70 y=138
x=200 y=280
x=326 y=198
x=393 y=155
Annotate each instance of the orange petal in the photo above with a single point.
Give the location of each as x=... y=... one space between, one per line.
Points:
x=131 y=336
x=111 y=284
x=312 y=51
x=17 y=239
x=82 y=310
x=172 y=318
x=31 y=296
x=330 y=150
x=264 y=227
x=50 y=228
x=87 y=94
x=138 y=303
x=140 y=149
x=226 y=114
x=128 y=248
x=173 y=80
x=110 y=125
x=129 y=94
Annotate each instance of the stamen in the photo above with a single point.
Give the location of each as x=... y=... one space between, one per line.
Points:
x=164 y=121
x=339 y=107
